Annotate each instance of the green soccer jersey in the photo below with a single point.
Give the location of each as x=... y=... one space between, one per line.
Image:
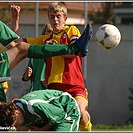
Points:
x=6 y=35
x=38 y=74
x=4 y=67
x=53 y=106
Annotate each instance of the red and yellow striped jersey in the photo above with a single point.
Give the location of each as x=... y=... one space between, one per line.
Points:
x=60 y=69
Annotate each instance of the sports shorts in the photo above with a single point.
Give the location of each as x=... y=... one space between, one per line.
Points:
x=75 y=90
x=4 y=67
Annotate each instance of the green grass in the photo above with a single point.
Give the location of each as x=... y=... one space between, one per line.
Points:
x=101 y=127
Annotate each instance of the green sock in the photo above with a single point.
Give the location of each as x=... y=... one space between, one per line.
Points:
x=50 y=50
x=6 y=34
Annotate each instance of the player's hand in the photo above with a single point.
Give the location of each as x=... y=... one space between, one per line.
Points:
x=43 y=82
x=51 y=41
x=15 y=10
x=34 y=128
x=28 y=73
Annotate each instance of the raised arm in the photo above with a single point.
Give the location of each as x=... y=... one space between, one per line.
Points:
x=15 y=13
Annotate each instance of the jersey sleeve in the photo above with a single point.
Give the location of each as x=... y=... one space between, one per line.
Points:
x=73 y=34
x=36 y=41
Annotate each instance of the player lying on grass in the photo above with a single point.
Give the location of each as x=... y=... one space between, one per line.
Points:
x=40 y=111
x=10 y=58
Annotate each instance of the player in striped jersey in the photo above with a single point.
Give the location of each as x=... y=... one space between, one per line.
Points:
x=10 y=58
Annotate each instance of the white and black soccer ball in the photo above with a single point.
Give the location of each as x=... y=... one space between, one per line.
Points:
x=108 y=36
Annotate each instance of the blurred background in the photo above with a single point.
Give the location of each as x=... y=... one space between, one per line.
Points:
x=108 y=73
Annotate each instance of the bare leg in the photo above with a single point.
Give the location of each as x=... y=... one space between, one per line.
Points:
x=17 y=54
x=85 y=124
x=23 y=50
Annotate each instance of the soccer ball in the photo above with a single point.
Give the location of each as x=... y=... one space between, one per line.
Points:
x=108 y=36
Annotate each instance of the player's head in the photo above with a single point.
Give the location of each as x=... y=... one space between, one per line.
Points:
x=10 y=116
x=47 y=29
x=57 y=15
x=7 y=114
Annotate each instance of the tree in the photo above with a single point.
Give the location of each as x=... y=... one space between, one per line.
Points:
x=105 y=15
x=5 y=13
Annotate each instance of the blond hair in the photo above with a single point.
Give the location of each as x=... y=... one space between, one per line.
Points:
x=57 y=6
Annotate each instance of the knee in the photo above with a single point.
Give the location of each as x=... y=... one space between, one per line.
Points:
x=85 y=113
x=82 y=111
x=83 y=108
x=23 y=47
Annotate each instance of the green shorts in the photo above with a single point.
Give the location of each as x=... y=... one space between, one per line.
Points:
x=4 y=67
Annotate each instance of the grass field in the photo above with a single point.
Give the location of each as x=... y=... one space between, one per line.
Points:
x=100 y=127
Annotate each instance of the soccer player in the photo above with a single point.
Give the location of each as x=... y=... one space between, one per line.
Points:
x=65 y=72
x=10 y=58
x=40 y=111
x=6 y=37
x=35 y=70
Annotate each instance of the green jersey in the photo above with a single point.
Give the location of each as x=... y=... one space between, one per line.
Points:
x=53 y=106
x=6 y=35
x=4 y=67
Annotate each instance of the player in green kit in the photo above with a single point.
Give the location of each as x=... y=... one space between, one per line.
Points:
x=35 y=70
x=42 y=110
x=6 y=37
